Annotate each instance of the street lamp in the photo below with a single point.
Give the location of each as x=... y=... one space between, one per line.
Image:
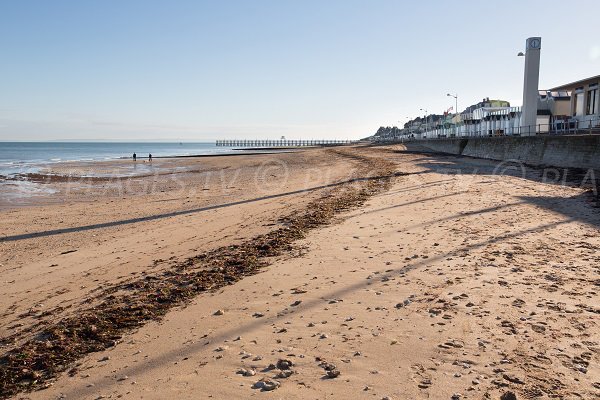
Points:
x=456 y=99
x=424 y=110
x=455 y=110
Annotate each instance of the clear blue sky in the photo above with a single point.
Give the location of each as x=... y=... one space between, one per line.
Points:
x=200 y=70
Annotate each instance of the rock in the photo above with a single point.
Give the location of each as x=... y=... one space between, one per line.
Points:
x=538 y=328
x=513 y=379
x=323 y=336
x=246 y=372
x=456 y=396
x=266 y=384
x=403 y=304
x=499 y=383
x=508 y=396
x=258 y=315
x=219 y=312
x=425 y=383
x=284 y=374
x=296 y=303
x=284 y=365
x=328 y=366
x=332 y=374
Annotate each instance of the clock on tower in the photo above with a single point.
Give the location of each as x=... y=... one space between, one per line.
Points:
x=534 y=43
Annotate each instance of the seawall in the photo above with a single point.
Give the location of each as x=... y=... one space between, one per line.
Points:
x=582 y=151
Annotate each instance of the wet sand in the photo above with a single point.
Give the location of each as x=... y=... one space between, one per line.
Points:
x=63 y=182
x=449 y=284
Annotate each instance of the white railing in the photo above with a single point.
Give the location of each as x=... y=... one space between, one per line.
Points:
x=566 y=127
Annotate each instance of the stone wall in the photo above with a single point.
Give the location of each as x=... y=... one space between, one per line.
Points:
x=582 y=151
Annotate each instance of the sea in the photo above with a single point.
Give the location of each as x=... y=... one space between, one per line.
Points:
x=29 y=157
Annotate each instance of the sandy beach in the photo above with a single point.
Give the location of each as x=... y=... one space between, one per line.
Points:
x=353 y=272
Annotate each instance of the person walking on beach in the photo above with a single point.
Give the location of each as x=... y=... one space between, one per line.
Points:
x=150 y=157
x=134 y=157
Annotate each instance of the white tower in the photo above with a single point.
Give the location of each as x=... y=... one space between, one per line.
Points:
x=530 y=86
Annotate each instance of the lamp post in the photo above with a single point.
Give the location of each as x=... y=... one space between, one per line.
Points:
x=455 y=110
x=456 y=101
x=425 y=111
x=520 y=54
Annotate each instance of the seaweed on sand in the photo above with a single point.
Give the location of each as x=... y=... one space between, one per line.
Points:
x=128 y=305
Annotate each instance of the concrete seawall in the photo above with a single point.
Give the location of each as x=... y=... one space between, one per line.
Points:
x=560 y=151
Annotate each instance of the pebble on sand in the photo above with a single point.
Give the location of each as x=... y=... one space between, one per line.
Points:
x=266 y=384
x=284 y=365
x=334 y=373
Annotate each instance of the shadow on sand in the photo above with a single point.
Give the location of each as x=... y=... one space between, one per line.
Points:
x=183 y=212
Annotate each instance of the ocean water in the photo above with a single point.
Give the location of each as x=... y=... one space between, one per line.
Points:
x=26 y=157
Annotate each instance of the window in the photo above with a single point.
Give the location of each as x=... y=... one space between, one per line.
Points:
x=579 y=103
x=592 y=101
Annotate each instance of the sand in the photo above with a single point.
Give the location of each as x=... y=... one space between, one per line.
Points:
x=456 y=282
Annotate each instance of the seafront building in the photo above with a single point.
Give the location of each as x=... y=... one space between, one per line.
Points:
x=583 y=103
x=570 y=108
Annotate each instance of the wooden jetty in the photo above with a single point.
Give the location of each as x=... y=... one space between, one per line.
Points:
x=281 y=143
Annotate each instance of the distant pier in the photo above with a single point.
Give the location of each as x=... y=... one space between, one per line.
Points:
x=281 y=143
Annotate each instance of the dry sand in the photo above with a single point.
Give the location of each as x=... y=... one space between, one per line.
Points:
x=122 y=228
x=448 y=285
